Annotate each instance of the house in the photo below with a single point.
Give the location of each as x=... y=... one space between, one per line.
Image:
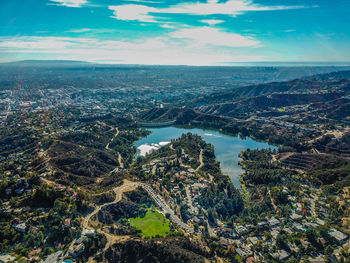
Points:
x=323 y=212
x=6 y=258
x=319 y=259
x=243 y=252
x=34 y=252
x=305 y=243
x=288 y=230
x=263 y=224
x=241 y=229
x=310 y=224
x=77 y=250
x=67 y=222
x=225 y=242
x=87 y=232
x=20 y=227
x=254 y=240
x=281 y=255
x=339 y=236
x=60 y=187
x=298 y=227
x=80 y=240
x=197 y=220
x=319 y=222
x=225 y=231
x=249 y=227
x=274 y=233
x=273 y=222
x=295 y=216
x=293 y=247
x=53 y=258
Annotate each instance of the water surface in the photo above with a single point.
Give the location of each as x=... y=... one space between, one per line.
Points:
x=226 y=147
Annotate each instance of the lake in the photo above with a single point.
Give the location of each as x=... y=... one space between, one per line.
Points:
x=227 y=148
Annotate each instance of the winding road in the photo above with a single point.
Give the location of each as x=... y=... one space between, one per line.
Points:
x=129 y=186
x=120 y=160
x=118 y=196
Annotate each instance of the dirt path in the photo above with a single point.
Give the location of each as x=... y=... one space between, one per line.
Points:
x=118 y=196
x=181 y=163
x=272 y=201
x=200 y=160
x=115 y=135
x=337 y=134
x=120 y=161
x=284 y=156
x=47 y=181
x=119 y=190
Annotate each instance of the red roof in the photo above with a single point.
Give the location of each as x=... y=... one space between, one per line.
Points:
x=35 y=251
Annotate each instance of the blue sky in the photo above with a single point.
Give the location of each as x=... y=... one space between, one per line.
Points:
x=207 y=32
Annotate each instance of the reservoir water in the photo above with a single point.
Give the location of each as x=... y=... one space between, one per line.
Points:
x=226 y=147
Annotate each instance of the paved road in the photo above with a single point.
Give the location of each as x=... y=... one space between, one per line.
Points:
x=193 y=209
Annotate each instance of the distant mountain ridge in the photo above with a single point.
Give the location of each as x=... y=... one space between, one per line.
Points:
x=44 y=63
x=326 y=94
x=300 y=85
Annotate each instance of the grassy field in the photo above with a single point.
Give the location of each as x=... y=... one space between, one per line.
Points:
x=152 y=224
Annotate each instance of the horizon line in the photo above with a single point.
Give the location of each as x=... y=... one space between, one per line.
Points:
x=228 y=64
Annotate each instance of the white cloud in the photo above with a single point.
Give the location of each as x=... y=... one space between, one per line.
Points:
x=212 y=22
x=213 y=36
x=211 y=7
x=161 y=50
x=133 y=12
x=81 y=30
x=70 y=3
x=145 y=1
x=167 y=26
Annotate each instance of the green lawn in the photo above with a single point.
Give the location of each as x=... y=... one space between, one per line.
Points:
x=152 y=224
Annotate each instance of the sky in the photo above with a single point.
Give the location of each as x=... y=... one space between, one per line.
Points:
x=173 y=32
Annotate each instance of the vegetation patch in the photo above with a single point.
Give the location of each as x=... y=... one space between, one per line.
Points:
x=152 y=224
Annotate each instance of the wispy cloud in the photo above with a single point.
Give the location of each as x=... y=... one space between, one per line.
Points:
x=69 y=3
x=212 y=22
x=167 y=25
x=146 y=13
x=212 y=36
x=178 y=49
x=80 y=30
x=145 y=1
